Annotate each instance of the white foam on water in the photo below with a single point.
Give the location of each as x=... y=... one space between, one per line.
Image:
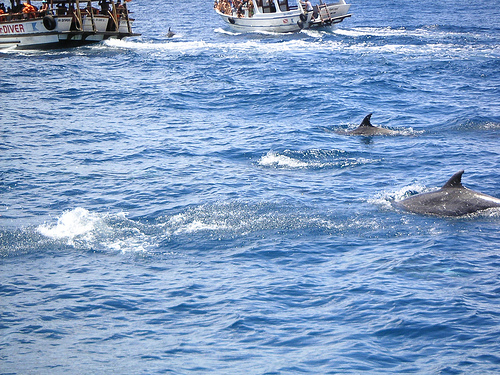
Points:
x=186 y=224
x=438 y=45
x=422 y=32
x=198 y=226
x=313 y=33
x=220 y=30
x=385 y=199
x=320 y=160
x=84 y=229
x=273 y=159
x=72 y=223
x=163 y=46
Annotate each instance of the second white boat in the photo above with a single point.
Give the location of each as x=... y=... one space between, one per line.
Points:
x=279 y=15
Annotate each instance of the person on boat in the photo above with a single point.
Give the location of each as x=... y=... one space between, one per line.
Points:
x=270 y=4
x=223 y=6
x=249 y=4
x=104 y=6
x=44 y=8
x=119 y=6
x=235 y=4
x=29 y=10
x=309 y=9
x=17 y=7
x=61 y=9
x=5 y=14
x=308 y=5
x=238 y=7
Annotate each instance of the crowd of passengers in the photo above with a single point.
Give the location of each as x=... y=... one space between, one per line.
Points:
x=231 y=6
x=227 y=6
x=25 y=10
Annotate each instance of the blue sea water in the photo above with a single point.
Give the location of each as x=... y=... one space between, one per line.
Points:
x=190 y=206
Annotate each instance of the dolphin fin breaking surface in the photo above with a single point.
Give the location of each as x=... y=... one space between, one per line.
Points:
x=367 y=129
x=366 y=121
x=455 y=181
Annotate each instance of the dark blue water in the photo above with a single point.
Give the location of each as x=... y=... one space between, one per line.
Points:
x=187 y=205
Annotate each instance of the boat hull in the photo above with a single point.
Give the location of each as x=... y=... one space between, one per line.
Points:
x=33 y=34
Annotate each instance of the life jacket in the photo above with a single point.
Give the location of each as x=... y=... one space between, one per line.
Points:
x=28 y=8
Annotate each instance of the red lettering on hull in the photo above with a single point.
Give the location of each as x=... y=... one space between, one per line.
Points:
x=12 y=29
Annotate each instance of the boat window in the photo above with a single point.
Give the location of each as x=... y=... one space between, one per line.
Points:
x=259 y=5
x=268 y=6
x=284 y=5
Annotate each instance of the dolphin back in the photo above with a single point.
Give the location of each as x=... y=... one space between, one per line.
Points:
x=453 y=199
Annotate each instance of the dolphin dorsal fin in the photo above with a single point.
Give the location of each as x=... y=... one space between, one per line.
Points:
x=455 y=181
x=366 y=120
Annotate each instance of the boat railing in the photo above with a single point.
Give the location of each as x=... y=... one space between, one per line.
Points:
x=114 y=16
x=126 y=15
x=20 y=16
x=323 y=15
x=92 y=19
x=323 y=12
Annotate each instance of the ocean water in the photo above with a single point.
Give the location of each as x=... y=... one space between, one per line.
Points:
x=191 y=206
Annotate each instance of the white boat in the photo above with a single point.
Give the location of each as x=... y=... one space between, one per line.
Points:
x=62 y=23
x=279 y=15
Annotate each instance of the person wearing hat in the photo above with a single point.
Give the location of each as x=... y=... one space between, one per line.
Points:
x=44 y=8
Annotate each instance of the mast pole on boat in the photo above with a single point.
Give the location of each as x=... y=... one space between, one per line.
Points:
x=276 y=6
x=113 y=15
x=300 y=7
x=91 y=11
x=79 y=16
x=255 y=6
x=129 y=28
